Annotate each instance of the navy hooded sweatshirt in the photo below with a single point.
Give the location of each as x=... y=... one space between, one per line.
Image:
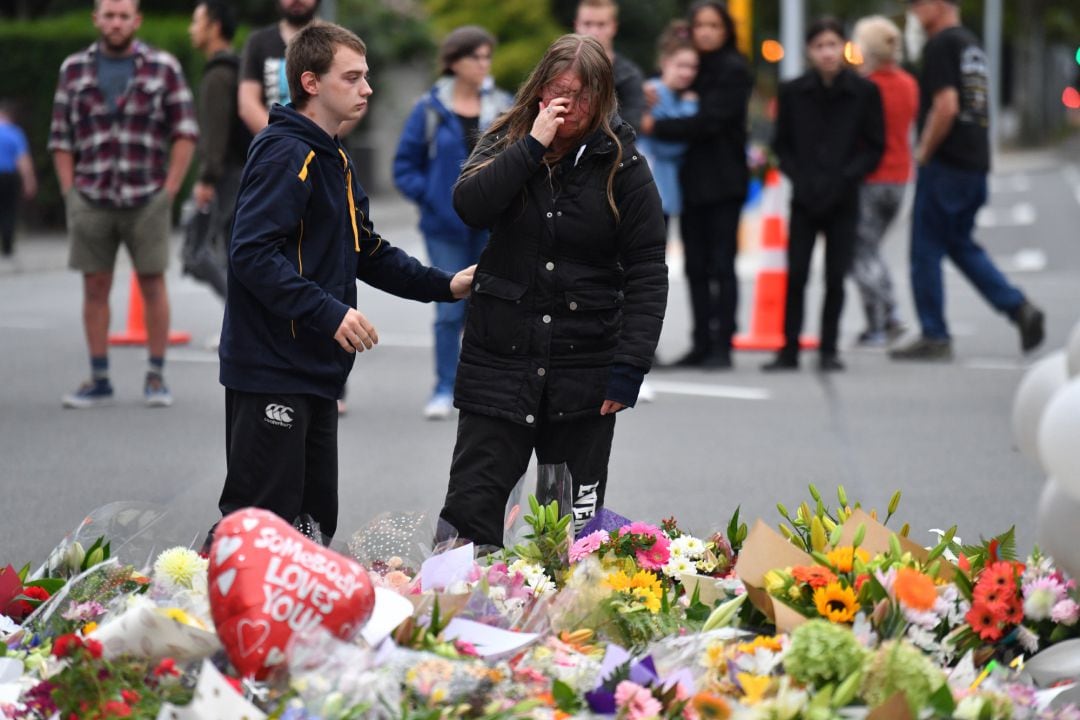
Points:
x=301 y=238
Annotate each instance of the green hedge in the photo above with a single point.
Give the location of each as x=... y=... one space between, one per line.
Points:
x=33 y=54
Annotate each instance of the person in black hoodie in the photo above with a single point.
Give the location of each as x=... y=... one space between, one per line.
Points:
x=714 y=180
x=569 y=294
x=829 y=135
x=301 y=238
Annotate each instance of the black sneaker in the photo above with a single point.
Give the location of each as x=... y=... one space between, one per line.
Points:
x=781 y=363
x=1030 y=321
x=924 y=349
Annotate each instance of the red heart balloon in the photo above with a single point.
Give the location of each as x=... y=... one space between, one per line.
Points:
x=268 y=582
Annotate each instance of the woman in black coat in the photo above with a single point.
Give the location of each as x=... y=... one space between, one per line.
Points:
x=569 y=294
x=714 y=181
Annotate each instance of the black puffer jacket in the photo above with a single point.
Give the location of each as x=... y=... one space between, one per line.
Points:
x=563 y=293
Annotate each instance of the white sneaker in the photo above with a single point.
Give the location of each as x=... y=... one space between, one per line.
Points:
x=646 y=393
x=440 y=407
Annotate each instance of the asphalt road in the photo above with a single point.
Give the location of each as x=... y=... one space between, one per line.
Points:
x=710 y=441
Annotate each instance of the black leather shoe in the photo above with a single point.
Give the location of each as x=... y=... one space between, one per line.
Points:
x=830 y=363
x=718 y=361
x=781 y=363
x=695 y=358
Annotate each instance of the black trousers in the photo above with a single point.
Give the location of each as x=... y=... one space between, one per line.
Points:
x=492 y=454
x=10 y=188
x=710 y=235
x=839 y=228
x=281 y=453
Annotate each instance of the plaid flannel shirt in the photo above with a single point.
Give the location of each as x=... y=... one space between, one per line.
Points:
x=121 y=158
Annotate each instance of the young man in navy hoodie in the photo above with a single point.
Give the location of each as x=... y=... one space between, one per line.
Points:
x=301 y=238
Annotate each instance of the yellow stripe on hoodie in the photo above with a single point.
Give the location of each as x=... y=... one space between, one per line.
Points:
x=304 y=170
x=352 y=202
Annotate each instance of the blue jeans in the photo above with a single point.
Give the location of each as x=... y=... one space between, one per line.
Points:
x=451 y=253
x=946 y=200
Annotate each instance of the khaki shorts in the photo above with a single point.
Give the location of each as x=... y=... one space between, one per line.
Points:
x=97 y=232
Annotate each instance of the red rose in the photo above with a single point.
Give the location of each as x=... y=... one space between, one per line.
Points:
x=66 y=644
x=130 y=696
x=166 y=667
x=115 y=708
x=21 y=609
x=94 y=646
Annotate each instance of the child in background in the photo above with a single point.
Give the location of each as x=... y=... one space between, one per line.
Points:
x=678 y=68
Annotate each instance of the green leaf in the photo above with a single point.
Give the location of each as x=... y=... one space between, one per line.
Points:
x=1007 y=544
x=942 y=702
x=24 y=571
x=49 y=585
x=733 y=524
x=565 y=697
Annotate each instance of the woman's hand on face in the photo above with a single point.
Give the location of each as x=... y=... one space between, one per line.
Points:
x=549 y=119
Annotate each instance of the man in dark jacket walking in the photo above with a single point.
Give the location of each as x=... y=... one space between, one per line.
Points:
x=223 y=144
x=301 y=238
x=953 y=155
x=830 y=134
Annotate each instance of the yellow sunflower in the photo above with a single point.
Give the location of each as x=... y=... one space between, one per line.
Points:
x=647 y=581
x=618 y=581
x=648 y=598
x=843 y=558
x=836 y=603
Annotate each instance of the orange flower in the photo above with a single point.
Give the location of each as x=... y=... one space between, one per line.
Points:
x=710 y=707
x=836 y=603
x=843 y=558
x=985 y=620
x=815 y=576
x=991 y=593
x=1014 y=611
x=914 y=589
x=1000 y=574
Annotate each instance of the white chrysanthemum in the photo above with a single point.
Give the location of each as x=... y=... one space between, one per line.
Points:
x=687 y=546
x=1027 y=639
x=179 y=567
x=678 y=566
x=695 y=548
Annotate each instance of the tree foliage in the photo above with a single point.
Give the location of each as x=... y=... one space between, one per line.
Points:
x=524 y=29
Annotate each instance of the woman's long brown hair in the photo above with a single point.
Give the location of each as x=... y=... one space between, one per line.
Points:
x=587 y=58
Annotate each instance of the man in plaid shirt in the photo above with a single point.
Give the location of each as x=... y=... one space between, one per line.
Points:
x=122 y=136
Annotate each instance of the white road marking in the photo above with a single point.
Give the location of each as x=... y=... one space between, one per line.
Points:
x=1019 y=215
x=730 y=392
x=1026 y=260
x=1019 y=183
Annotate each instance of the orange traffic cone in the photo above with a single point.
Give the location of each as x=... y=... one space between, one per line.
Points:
x=136 y=322
x=770 y=289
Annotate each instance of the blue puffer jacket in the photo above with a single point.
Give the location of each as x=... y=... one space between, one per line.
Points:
x=432 y=151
